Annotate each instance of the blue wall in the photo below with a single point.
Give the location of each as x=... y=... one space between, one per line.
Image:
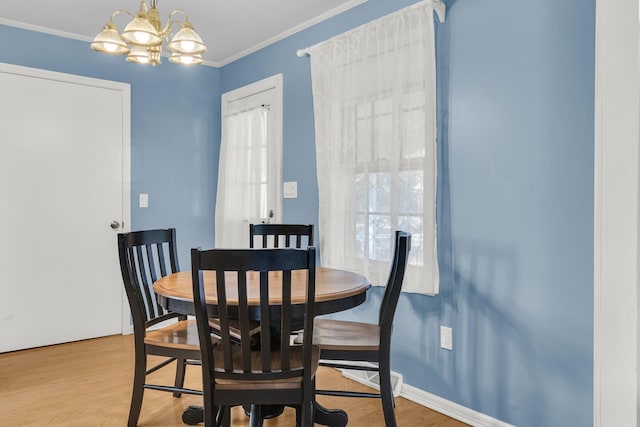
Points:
x=515 y=190
x=175 y=129
x=515 y=203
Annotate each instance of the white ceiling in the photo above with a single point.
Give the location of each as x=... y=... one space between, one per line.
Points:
x=230 y=29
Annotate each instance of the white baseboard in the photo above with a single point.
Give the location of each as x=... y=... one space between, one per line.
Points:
x=449 y=408
x=431 y=401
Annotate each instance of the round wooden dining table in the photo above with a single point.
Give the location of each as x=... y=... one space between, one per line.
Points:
x=336 y=290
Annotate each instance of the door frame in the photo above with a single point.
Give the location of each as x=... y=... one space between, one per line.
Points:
x=125 y=90
x=616 y=355
x=274 y=82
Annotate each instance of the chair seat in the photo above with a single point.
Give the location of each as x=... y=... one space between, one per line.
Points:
x=182 y=334
x=345 y=335
x=295 y=359
x=234 y=328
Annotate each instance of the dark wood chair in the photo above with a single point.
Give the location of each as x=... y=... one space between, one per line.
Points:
x=276 y=373
x=348 y=341
x=146 y=256
x=281 y=235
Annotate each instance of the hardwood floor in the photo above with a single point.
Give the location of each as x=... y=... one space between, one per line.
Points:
x=88 y=383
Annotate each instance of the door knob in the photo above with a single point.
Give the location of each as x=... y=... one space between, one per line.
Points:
x=115 y=224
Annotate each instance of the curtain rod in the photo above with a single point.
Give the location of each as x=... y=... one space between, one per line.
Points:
x=245 y=110
x=438 y=7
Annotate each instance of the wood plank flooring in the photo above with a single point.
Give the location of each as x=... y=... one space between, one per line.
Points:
x=88 y=383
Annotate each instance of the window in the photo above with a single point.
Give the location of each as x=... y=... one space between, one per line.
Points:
x=374 y=104
x=389 y=197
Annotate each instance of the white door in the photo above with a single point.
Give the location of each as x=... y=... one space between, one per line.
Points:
x=250 y=167
x=64 y=177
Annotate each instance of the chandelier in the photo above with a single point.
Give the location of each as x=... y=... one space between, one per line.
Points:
x=143 y=37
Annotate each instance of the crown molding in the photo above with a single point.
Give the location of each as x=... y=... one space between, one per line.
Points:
x=307 y=24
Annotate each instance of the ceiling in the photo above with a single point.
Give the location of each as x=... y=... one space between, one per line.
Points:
x=230 y=29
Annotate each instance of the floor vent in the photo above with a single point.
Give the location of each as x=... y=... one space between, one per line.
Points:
x=371 y=379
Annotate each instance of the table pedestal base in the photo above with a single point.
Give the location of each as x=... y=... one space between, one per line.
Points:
x=193 y=415
x=268 y=411
x=329 y=417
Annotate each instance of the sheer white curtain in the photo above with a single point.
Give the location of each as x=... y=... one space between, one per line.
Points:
x=374 y=102
x=242 y=177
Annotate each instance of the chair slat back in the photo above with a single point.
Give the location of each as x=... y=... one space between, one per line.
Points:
x=389 y=303
x=273 y=268
x=146 y=256
x=281 y=235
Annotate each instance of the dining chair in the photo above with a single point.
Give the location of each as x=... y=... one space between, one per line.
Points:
x=350 y=342
x=274 y=234
x=278 y=372
x=281 y=235
x=146 y=256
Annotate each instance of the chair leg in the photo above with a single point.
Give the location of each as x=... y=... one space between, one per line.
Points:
x=298 y=409
x=137 y=393
x=211 y=412
x=386 y=392
x=226 y=419
x=223 y=417
x=306 y=414
x=181 y=365
x=255 y=419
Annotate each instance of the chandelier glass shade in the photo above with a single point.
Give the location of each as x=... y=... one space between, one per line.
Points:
x=142 y=39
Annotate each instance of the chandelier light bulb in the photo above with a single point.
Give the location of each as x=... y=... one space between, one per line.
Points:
x=187 y=46
x=109 y=41
x=178 y=58
x=110 y=47
x=140 y=37
x=140 y=31
x=138 y=55
x=187 y=41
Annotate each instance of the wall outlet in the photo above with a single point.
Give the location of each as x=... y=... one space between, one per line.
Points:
x=446 y=338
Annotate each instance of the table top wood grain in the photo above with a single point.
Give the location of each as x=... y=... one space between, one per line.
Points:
x=331 y=285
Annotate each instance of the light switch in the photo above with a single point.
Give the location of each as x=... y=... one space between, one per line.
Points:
x=290 y=190
x=143 y=200
x=446 y=338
